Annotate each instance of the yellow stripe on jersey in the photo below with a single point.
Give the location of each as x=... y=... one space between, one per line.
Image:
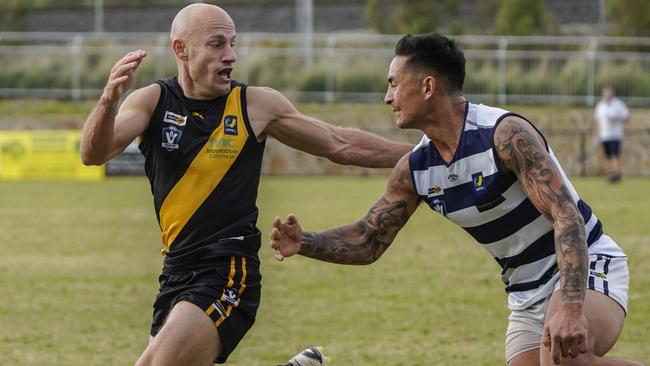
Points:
x=206 y=170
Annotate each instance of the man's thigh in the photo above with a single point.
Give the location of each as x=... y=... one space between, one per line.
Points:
x=189 y=337
x=605 y=320
x=604 y=323
x=605 y=300
x=524 y=334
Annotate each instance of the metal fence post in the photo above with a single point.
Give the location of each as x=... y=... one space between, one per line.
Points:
x=99 y=16
x=75 y=72
x=583 y=152
x=160 y=55
x=244 y=67
x=330 y=81
x=503 y=79
x=591 y=71
x=305 y=26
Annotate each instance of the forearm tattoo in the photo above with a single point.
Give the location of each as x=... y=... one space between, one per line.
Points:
x=523 y=153
x=359 y=243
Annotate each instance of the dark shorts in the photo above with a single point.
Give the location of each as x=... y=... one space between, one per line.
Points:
x=228 y=292
x=612 y=148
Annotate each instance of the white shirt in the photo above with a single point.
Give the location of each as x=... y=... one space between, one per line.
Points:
x=610 y=117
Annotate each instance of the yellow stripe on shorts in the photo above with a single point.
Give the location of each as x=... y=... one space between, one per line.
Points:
x=232 y=282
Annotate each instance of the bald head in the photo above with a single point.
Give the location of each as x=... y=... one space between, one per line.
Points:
x=196 y=17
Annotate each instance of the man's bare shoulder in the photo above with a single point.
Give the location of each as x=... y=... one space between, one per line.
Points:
x=264 y=97
x=266 y=105
x=400 y=177
x=143 y=98
x=261 y=94
x=149 y=92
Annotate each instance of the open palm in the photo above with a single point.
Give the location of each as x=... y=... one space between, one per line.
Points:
x=286 y=237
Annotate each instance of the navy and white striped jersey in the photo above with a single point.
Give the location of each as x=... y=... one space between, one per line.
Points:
x=491 y=206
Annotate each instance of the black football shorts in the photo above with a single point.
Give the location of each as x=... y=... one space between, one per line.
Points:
x=228 y=292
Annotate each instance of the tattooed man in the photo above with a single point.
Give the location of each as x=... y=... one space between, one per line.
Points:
x=491 y=172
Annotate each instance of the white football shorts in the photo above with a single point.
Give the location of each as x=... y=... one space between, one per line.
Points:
x=607 y=275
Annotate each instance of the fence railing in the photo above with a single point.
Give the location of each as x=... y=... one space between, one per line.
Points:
x=338 y=67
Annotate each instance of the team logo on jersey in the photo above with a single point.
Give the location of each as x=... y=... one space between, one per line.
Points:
x=435 y=191
x=452 y=177
x=170 y=137
x=439 y=205
x=479 y=182
x=230 y=125
x=177 y=119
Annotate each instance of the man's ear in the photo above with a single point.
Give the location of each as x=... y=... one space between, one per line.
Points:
x=178 y=46
x=429 y=84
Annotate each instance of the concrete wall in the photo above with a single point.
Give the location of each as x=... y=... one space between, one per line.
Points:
x=265 y=16
x=279 y=16
x=567 y=130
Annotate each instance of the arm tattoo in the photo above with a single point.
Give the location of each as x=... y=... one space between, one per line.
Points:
x=522 y=152
x=359 y=243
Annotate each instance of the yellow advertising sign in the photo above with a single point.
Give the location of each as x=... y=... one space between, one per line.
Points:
x=44 y=154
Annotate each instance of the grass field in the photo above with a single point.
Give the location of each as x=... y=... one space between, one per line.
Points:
x=79 y=267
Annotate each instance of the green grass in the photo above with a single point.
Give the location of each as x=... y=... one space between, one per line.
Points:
x=79 y=267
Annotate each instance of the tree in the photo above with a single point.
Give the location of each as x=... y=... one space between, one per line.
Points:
x=522 y=18
x=376 y=15
x=12 y=13
x=411 y=16
x=628 y=17
x=483 y=19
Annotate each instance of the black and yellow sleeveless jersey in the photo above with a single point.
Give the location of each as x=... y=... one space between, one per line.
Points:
x=203 y=162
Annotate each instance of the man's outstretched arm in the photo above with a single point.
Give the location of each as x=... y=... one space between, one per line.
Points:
x=272 y=114
x=360 y=243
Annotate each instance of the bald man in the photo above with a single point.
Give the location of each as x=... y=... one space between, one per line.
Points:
x=203 y=135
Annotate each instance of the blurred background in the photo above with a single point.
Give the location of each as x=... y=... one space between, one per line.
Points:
x=79 y=246
x=336 y=50
x=527 y=55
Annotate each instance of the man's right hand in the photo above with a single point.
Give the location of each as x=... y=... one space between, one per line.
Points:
x=122 y=75
x=110 y=127
x=286 y=238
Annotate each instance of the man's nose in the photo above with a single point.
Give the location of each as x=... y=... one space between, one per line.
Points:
x=388 y=98
x=230 y=55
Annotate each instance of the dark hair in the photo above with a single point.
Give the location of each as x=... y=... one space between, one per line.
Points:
x=436 y=53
